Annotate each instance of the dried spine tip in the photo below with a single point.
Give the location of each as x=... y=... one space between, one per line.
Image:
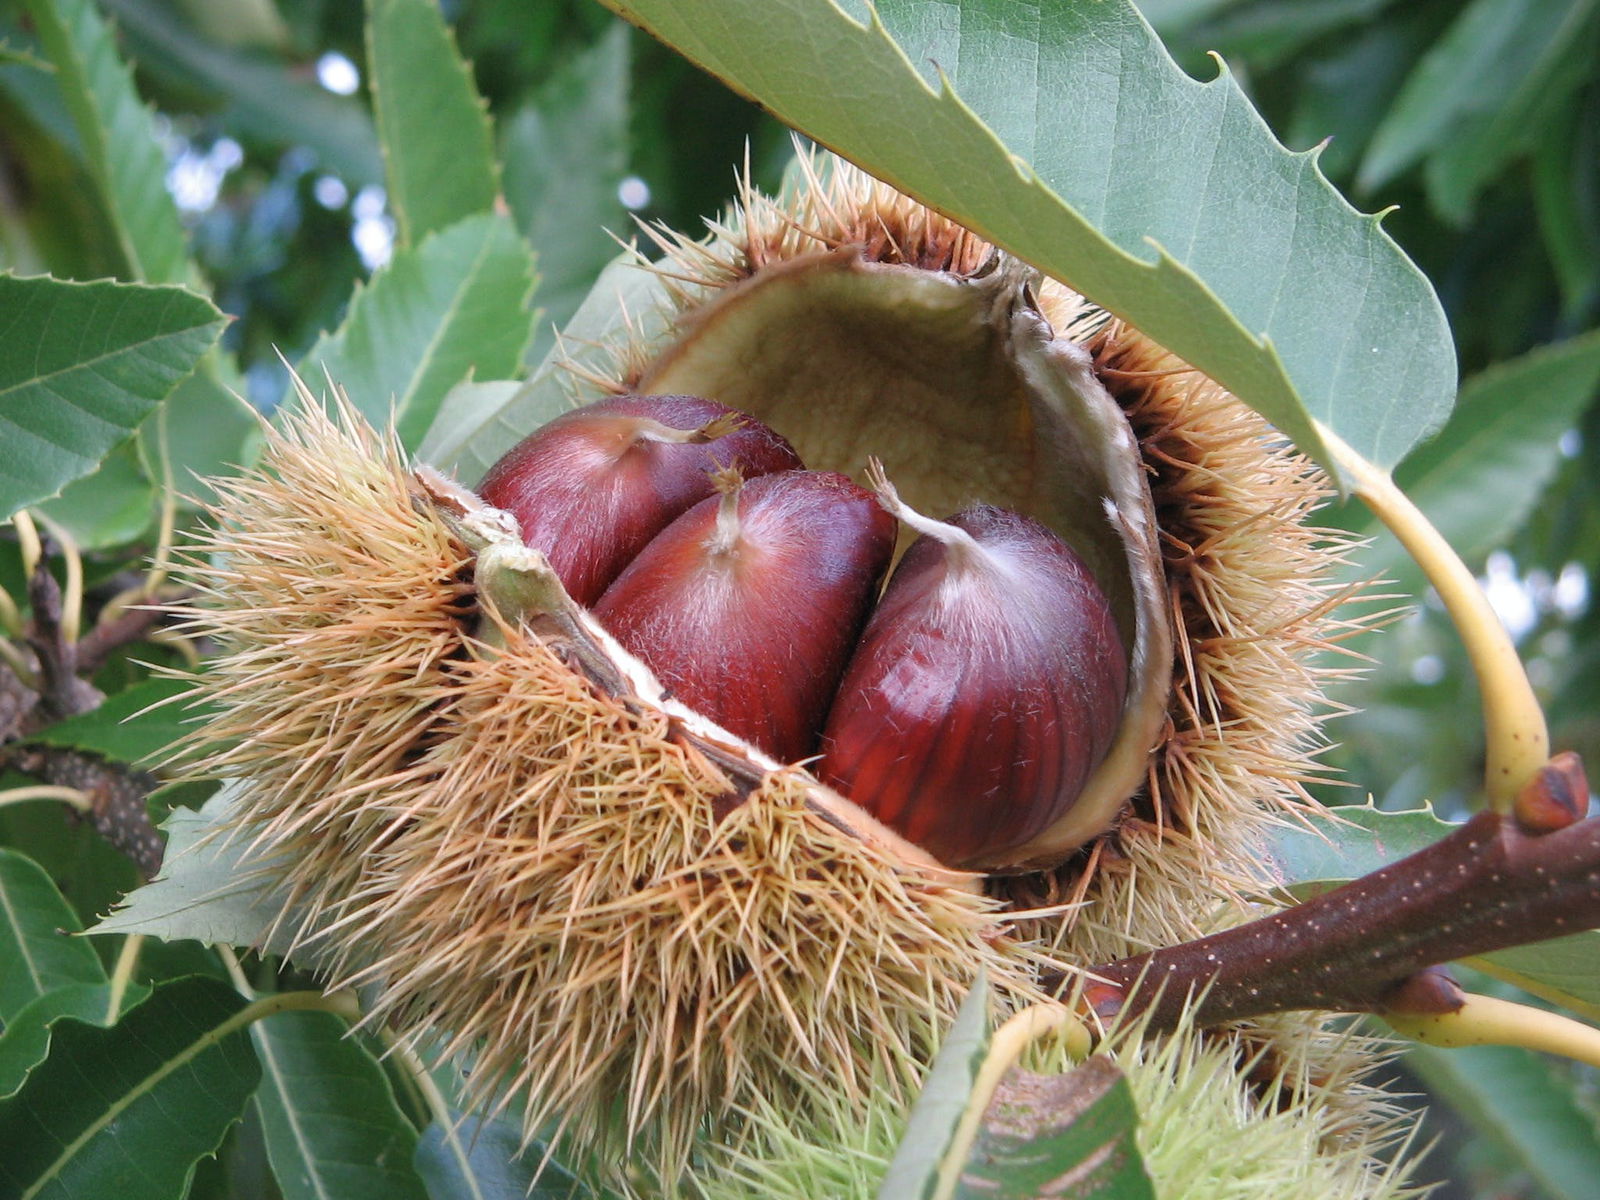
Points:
x=591 y=487
x=748 y=604
x=985 y=690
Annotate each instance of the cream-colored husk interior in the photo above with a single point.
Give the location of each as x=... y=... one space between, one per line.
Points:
x=967 y=394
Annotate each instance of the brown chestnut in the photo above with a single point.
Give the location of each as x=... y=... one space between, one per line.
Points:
x=986 y=687
x=591 y=487
x=747 y=605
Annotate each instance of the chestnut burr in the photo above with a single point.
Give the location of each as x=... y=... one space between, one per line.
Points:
x=984 y=690
x=747 y=605
x=591 y=487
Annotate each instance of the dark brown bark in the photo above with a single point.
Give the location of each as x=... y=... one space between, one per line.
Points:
x=1487 y=886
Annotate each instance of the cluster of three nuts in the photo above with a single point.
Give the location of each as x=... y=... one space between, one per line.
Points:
x=965 y=707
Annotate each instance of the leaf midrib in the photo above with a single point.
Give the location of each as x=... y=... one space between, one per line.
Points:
x=13 y=919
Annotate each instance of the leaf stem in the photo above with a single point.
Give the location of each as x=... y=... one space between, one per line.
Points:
x=1490 y=1021
x=160 y=562
x=78 y=800
x=10 y=615
x=28 y=542
x=72 y=594
x=1032 y=1024
x=18 y=663
x=1517 y=741
x=122 y=973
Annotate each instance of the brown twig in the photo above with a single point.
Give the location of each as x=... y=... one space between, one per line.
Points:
x=1489 y=885
x=62 y=693
x=109 y=635
x=116 y=792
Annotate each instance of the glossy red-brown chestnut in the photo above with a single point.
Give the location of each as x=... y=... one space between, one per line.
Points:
x=984 y=690
x=747 y=605
x=591 y=487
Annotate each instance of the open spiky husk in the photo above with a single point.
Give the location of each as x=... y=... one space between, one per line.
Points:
x=551 y=876
x=1249 y=590
x=541 y=871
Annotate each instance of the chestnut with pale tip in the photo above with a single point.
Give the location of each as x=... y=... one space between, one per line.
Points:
x=985 y=689
x=591 y=487
x=747 y=605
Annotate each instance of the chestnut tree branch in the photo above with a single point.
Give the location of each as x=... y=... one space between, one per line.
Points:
x=62 y=693
x=116 y=796
x=1489 y=885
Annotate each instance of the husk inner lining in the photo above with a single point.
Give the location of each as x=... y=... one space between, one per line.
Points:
x=967 y=394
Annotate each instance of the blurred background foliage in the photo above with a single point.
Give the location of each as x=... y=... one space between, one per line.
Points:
x=1478 y=123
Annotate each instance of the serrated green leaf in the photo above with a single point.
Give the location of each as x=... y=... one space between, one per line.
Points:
x=453 y=307
x=1349 y=842
x=111 y=506
x=486 y=1160
x=130 y=725
x=1343 y=94
x=22 y=56
x=1072 y=1135
x=1516 y=1098
x=204 y=891
x=1478 y=67
x=1479 y=479
x=38 y=952
x=261 y=100
x=26 y=1041
x=127 y=1111
x=566 y=152
x=914 y=1170
x=332 y=1129
x=118 y=137
x=432 y=124
x=625 y=302
x=1065 y=133
x=81 y=365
